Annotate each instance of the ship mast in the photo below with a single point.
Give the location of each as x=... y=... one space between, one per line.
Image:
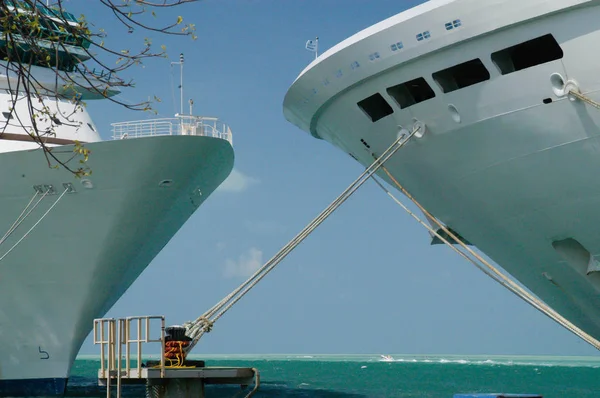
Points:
x=180 y=63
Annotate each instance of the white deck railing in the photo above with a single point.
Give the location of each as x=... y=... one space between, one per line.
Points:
x=181 y=125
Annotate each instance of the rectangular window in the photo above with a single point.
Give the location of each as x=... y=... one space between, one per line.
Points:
x=462 y=75
x=397 y=46
x=376 y=107
x=411 y=92
x=525 y=55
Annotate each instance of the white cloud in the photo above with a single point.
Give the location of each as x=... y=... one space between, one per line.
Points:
x=237 y=182
x=246 y=265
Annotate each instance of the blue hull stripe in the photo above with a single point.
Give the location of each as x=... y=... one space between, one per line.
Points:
x=32 y=387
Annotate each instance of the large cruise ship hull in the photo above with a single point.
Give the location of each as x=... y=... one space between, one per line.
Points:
x=510 y=162
x=91 y=246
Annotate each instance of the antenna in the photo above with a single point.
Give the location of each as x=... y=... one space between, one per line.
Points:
x=180 y=63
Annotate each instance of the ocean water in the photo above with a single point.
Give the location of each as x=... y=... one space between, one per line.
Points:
x=354 y=376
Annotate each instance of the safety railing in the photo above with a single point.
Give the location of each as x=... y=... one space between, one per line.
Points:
x=112 y=334
x=98 y=75
x=180 y=125
x=105 y=332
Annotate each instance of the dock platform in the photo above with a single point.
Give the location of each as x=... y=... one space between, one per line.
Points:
x=209 y=375
x=171 y=376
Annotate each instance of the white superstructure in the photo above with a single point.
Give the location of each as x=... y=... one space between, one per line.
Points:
x=79 y=243
x=508 y=159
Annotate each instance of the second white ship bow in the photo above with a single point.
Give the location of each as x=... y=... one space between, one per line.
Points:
x=507 y=159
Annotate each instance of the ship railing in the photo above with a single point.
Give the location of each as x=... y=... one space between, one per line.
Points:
x=131 y=332
x=105 y=332
x=102 y=75
x=49 y=11
x=180 y=125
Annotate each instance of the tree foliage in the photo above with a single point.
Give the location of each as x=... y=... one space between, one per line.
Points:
x=51 y=57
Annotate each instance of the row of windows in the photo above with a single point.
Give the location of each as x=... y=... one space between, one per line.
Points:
x=375 y=56
x=426 y=35
x=512 y=59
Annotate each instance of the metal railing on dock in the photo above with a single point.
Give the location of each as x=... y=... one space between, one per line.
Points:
x=112 y=334
x=132 y=333
x=180 y=125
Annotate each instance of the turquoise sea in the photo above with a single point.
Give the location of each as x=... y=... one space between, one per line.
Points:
x=354 y=376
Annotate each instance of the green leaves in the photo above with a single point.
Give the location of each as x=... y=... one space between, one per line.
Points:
x=85 y=65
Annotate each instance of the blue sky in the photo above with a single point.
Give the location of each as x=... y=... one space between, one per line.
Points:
x=367 y=281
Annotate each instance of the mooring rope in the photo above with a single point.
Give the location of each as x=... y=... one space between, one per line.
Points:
x=484 y=265
x=36 y=224
x=585 y=99
x=204 y=323
x=24 y=214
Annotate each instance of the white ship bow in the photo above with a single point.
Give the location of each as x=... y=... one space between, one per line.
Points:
x=92 y=245
x=508 y=160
